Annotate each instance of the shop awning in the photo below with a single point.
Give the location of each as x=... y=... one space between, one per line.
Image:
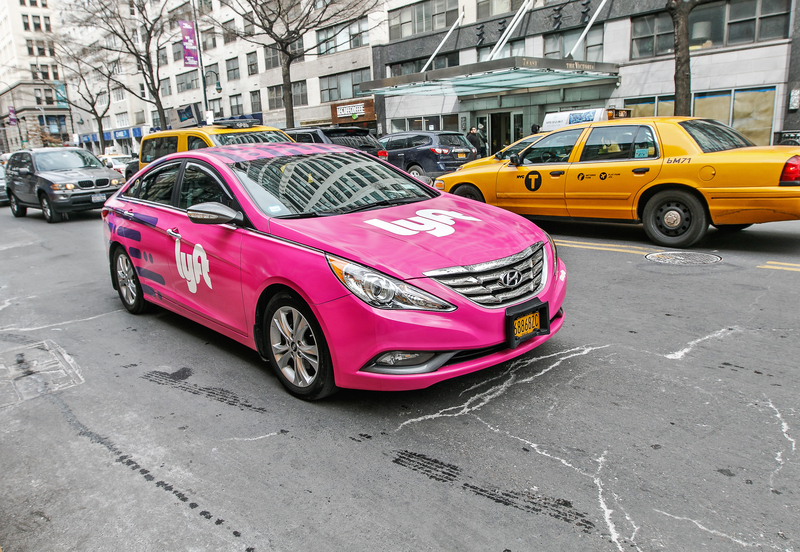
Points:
x=493 y=77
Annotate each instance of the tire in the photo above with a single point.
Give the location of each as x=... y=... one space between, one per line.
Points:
x=127 y=283
x=415 y=170
x=470 y=192
x=50 y=214
x=674 y=218
x=16 y=209
x=727 y=228
x=293 y=338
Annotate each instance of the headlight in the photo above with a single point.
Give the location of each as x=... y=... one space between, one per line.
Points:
x=381 y=291
x=62 y=186
x=117 y=181
x=555 y=252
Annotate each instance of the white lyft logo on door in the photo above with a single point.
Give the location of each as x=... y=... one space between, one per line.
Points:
x=192 y=267
x=433 y=221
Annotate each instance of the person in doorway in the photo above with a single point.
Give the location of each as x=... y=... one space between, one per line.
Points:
x=482 y=136
x=474 y=139
x=535 y=128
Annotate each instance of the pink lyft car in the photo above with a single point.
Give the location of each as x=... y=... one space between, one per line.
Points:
x=338 y=268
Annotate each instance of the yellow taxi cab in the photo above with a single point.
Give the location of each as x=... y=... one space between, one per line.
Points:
x=674 y=175
x=221 y=133
x=504 y=153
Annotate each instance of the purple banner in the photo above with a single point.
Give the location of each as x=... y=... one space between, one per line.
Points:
x=189 y=44
x=12 y=116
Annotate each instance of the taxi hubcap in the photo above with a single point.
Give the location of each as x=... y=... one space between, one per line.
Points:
x=672 y=219
x=294 y=346
x=127 y=285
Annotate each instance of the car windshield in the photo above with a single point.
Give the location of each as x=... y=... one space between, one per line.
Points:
x=518 y=147
x=67 y=159
x=712 y=136
x=325 y=184
x=454 y=140
x=255 y=137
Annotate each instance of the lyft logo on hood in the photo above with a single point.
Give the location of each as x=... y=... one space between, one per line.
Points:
x=433 y=221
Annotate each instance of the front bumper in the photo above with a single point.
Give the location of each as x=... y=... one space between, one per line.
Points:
x=80 y=200
x=357 y=334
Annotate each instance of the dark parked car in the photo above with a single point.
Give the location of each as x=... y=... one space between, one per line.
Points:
x=58 y=181
x=352 y=137
x=432 y=153
x=132 y=168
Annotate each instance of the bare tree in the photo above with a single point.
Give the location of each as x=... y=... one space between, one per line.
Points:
x=679 y=11
x=134 y=34
x=286 y=21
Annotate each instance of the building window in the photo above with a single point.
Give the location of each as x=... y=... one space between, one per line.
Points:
x=37 y=22
x=48 y=96
x=51 y=49
x=422 y=17
x=343 y=37
x=236 y=105
x=229 y=31
x=165 y=87
x=488 y=8
x=142 y=93
x=26 y=26
x=204 y=6
x=33 y=3
x=299 y=95
x=34 y=71
x=255 y=101
x=37 y=92
x=40 y=51
x=272 y=56
x=249 y=24
x=252 y=63
x=119 y=94
x=232 y=67
x=122 y=119
x=560 y=44
x=21 y=2
x=516 y=48
x=46 y=24
x=212 y=69
x=44 y=3
x=55 y=71
x=187 y=81
x=275 y=97
x=29 y=44
x=162 y=56
x=652 y=35
x=216 y=107
x=209 y=40
x=44 y=72
x=102 y=98
x=343 y=85
x=177 y=51
x=409 y=67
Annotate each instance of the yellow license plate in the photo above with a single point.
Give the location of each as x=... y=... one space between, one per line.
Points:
x=525 y=325
x=462 y=155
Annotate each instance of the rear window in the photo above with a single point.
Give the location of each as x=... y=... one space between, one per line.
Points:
x=257 y=137
x=154 y=148
x=354 y=140
x=454 y=140
x=712 y=136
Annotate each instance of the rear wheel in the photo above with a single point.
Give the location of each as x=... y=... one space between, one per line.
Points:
x=470 y=192
x=674 y=218
x=50 y=214
x=296 y=348
x=731 y=227
x=127 y=283
x=416 y=171
x=16 y=209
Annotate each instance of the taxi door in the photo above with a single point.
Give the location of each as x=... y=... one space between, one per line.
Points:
x=536 y=185
x=615 y=162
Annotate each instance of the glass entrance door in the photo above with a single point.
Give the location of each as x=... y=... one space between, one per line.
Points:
x=499 y=132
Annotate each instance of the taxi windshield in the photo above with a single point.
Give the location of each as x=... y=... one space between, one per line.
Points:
x=325 y=184
x=712 y=136
x=250 y=137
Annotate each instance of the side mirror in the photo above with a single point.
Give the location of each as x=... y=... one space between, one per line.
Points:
x=23 y=171
x=213 y=213
x=109 y=164
x=514 y=160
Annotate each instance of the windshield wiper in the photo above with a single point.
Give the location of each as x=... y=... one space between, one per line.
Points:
x=384 y=203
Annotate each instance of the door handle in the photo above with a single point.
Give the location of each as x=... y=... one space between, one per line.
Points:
x=174 y=233
x=556 y=173
x=641 y=170
x=127 y=214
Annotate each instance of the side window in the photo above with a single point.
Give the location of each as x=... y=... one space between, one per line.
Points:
x=157 y=186
x=555 y=148
x=134 y=189
x=13 y=163
x=148 y=151
x=199 y=186
x=418 y=140
x=166 y=145
x=396 y=143
x=195 y=143
x=303 y=138
x=25 y=162
x=645 y=145
x=608 y=143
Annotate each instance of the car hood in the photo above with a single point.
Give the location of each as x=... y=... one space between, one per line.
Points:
x=406 y=240
x=73 y=175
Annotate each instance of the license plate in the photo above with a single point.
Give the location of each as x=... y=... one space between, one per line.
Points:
x=98 y=198
x=462 y=155
x=526 y=321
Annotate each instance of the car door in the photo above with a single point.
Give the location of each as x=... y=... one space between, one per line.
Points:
x=616 y=161
x=142 y=226
x=395 y=146
x=536 y=186
x=207 y=257
x=27 y=182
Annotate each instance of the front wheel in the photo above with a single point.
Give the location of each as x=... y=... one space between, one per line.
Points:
x=674 y=218
x=470 y=192
x=50 y=214
x=127 y=283
x=16 y=209
x=296 y=348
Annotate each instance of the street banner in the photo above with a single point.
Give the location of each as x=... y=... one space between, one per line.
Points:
x=12 y=116
x=61 y=94
x=189 y=43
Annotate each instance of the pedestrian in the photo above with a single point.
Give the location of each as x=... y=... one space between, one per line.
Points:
x=475 y=140
x=482 y=136
x=535 y=128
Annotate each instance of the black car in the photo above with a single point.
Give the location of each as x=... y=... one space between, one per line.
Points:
x=428 y=153
x=58 y=181
x=132 y=168
x=352 y=137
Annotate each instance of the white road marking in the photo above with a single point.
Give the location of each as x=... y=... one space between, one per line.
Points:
x=13 y=329
x=253 y=438
x=606 y=510
x=718 y=533
x=720 y=333
x=6 y=303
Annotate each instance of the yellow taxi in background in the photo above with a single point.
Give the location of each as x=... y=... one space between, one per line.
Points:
x=221 y=133
x=674 y=175
x=504 y=153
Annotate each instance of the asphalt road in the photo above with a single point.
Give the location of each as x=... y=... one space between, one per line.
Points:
x=664 y=416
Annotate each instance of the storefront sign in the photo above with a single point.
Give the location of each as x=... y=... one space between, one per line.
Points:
x=349 y=112
x=86 y=138
x=120 y=134
x=137 y=132
x=189 y=40
x=12 y=116
x=107 y=135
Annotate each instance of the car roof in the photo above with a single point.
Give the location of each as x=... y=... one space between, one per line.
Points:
x=211 y=129
x=250 y=152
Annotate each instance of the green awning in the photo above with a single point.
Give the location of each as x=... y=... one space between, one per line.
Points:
x=493 y=77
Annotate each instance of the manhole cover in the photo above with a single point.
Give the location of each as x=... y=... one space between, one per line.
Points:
x=683 y=258
x=28 y=372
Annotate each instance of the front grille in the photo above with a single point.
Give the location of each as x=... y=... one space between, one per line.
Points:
x=101 y=182
x=85 y=183
x=484 y=283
